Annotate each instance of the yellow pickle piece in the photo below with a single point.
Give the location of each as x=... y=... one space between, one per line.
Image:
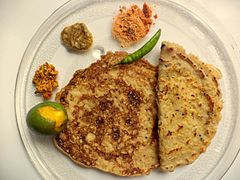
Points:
x=45 y=80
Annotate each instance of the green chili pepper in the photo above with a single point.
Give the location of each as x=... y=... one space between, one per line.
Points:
x=145 y=49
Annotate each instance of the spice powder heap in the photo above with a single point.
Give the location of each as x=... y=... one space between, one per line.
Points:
x=45 y=80
x=132 y=24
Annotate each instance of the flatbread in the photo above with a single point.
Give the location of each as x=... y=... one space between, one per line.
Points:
x=189 y=106
x=112 y=117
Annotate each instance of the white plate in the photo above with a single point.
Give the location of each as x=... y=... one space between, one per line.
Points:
x=197 y=32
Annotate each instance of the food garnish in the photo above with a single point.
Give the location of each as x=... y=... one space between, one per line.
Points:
x=77 y=37
x=145 y=49
x=47 y=118
x=132 y=24
x=45 y=80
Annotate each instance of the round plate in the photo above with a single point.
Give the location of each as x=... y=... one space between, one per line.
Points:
x=198 y=32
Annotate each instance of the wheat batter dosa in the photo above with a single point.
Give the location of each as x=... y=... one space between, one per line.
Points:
x=112 y=114
x=189 y=106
